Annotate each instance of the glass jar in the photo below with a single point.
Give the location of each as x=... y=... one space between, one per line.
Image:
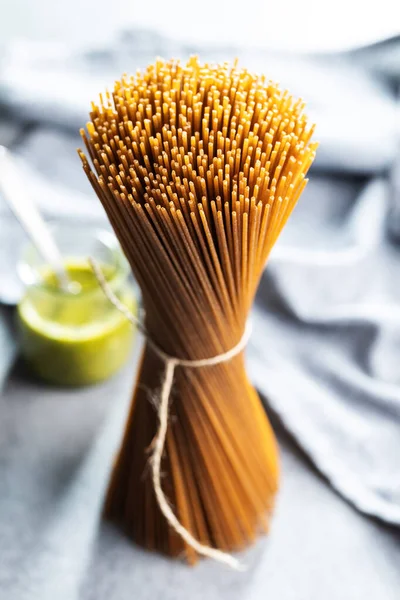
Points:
x=75 y=337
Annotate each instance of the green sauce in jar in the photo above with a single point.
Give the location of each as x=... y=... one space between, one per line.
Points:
x=75 y=338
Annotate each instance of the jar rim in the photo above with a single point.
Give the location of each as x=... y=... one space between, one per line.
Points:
x=30 y=274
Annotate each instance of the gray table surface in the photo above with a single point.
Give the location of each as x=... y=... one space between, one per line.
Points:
x=55 y=452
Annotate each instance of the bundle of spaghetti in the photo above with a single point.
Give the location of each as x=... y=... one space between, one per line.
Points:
x=198 y=168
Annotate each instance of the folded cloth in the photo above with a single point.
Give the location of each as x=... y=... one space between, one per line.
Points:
x=325 y=348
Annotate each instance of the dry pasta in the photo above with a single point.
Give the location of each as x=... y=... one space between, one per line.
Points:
x=198 y=168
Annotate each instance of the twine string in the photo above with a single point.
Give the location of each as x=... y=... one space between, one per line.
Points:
x=171 y=362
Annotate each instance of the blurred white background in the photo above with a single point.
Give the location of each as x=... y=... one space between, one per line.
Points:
x=291 y=24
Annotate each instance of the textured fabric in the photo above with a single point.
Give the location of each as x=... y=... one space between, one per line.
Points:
x=325 y=349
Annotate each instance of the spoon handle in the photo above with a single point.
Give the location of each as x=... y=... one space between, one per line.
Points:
x=28 y=215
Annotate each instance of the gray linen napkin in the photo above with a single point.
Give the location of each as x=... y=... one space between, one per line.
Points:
x=326 y=343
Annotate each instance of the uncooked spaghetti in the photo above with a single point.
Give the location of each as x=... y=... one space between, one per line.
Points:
x=198 y=168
